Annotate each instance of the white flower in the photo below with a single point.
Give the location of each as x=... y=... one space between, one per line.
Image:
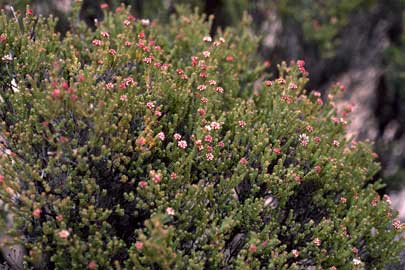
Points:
x=206 y=54
x=7 y=58
x=356 y=261
x=207 y=39
x=304 y=139
x=145 y=22
x=170 y=211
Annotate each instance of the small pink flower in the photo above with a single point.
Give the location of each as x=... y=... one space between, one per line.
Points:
x=252 y=248
x=157 y=178
x=64 y=234
x=127 y=43
x=208 y=138
x=219 y=89
x=141 y=35
x=333 y=268
x=138 y=245
x=127 y=22
x=74 y=97
x=319 y=101
x=124 y=98
x=396 y=223
x=164 y=66
x=97 y=42
x=63 y=139
x=177 y=136
x=277 y=151
x=56 y=93
x=300 y=63
x=355 y=250
x=242 y=123
x=112 y=52
x=204 y=100
x=206 y=54
x=295 y=253
x=1 y=178
x=343 y=200
x=292 y=86
x=207 y=39
x=212 y=82
x=202 y=65
x=375 y=201
x=143 y=184
x=317 y=139
x=317 y=94
x=387 y=198
x=243 y=161
x=297 y=179
x=104 y=6
x=59 y=218
x=92 y=265
x=317 y=168
x=3 y=37
x=182 y=144
x=304 y=139
x=199 y=145
x=105 y=34
x=268 y=83
x=336 y=143
x=170 y=211
x=150 y=105
x=194 y=60
x=201 y=87
x=209 y=156
x=317 y=242
x=141 y=141
x=215 y=125
x=229 y=58
x=301 y=68
x=129 y=81
x=201 y=111
x=109 y=85
x=36 y=213
x=173 y=176
x=221 y=144
x=148 y=60
x=309 y=128
x=161 y=136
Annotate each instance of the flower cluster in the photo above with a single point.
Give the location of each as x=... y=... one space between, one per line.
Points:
x=141 y=145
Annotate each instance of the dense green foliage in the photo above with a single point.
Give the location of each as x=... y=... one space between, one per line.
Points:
x=154 y=146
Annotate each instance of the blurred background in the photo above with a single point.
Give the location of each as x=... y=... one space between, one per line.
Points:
x=359 y=43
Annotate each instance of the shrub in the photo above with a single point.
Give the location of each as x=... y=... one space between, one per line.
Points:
x=148 y=146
